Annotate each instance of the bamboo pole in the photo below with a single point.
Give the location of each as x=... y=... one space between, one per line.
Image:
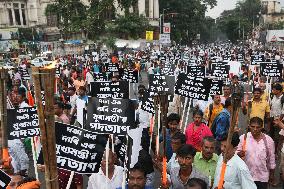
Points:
x=3 y=107
x=3 y=110
x=45 y=77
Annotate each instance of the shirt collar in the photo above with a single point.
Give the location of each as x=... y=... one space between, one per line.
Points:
x=214 y=157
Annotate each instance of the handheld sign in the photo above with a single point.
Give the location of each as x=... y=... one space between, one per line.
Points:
x=110 y=89
x=216 y=87
x=158 y=84
x=271 y=69
x=4 y=180
x=110 y=116
x=100 y=77
x=220 y=70
x=78 y=150
x=24 y=74
x=22 y=123
x=196 y=71
x=193 y=87
x=257 y=59
x=148 y=103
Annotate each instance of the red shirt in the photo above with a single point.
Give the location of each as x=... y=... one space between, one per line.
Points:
x=194 y=138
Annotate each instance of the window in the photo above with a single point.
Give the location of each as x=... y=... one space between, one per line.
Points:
x=11 y=23
x=16 y=5
x=17 y=16
x=24 y=17
x=147 y=8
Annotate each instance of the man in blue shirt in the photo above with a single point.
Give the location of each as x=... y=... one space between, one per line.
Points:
x=137 y=178
x=221 y=123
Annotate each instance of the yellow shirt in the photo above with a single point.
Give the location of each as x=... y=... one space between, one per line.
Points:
x=215 y=112
x=258 y=109
x=264 y=96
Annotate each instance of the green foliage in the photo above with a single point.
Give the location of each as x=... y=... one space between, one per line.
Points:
x=277 y=26
x=240 y=20
x=129 y=26
x=188 y=17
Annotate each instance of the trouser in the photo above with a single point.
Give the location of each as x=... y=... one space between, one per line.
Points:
x=274 y=134
x=261 y=185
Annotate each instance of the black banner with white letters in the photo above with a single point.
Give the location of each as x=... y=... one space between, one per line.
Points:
x=22 y=123
x=110 y=116
x=148 y=103
x=193 y=87
x=159 y=84
x=110 y=89
x=196 y=71
x=78 y=150
x=216 y=87
x=4 y=180
x=271 y=69
x=220 y=70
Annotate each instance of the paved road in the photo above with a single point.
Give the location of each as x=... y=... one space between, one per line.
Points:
x=242 y=125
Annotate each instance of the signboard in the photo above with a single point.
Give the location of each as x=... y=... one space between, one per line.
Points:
x=78 y=150
x=271 y=69
x=4 y=180
x=110 y=116
x=108 y=89
x=193 y=87
x=220 y=70
x=167 y=28
x=165 y=38
x=22 y=123
x=149 y=35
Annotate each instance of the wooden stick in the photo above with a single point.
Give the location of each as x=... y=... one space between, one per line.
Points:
x=184 y=108
x=70 y=180
x=229 y=140
x=46 y=122
x=187 y=115
x=34 y=157
x=4 y=129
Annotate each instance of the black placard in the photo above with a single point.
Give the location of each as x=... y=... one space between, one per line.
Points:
x=196 y=71
x=131 y=76
x=110 y=116
x=78 y=150
x=110 y=89
x=22 y=123
x=257 y=59
x=216 y=87
x=148 y=103
x=220 y=70
x=4 y=179
x=169 y=68
x=112 y=67
x=24 y=74
x=271 y=69
x=193 y=87
x=100 y=77
x=158 y=84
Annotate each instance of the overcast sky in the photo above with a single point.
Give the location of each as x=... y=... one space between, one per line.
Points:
x=221 y=6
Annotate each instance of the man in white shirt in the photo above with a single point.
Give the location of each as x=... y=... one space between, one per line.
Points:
x=21 y=100
x=115 y=175
x=237 y=175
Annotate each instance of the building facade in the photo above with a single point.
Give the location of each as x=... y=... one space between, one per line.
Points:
x=272 y=11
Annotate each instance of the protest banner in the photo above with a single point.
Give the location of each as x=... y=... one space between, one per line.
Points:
x=216 y=87
x=193 y=87
x=4 y=180
x=271 y=69
x=196 y=71
x=161 y=84
x=220 y=70
x=78 y=150
x=110 y=116
x=22 y=123
x=257 y=59
x=148 y=103
x=110 y=89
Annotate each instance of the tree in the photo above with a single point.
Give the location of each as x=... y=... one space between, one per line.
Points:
x=129 y=26
x=187 y=18
x=241 y=20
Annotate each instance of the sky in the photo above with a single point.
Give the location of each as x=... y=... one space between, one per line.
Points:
x=221 y=6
